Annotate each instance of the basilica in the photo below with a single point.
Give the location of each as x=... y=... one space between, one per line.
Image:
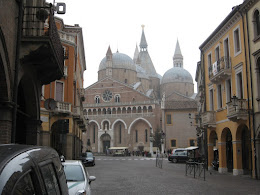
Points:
x=130 y=102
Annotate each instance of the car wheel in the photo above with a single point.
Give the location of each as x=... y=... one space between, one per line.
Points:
x=174 y=160
x=93 y=164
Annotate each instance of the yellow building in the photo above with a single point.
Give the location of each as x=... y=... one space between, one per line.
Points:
x=61 y=107
x=225 y=116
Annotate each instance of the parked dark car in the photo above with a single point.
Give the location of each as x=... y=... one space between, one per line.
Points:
x=174 y=152
x=88 y=158
x=179 y=157
x=31 y=170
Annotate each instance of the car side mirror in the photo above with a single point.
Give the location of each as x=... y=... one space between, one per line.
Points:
x=91 y=178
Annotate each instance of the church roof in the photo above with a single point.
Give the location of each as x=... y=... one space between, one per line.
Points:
x=178 y=105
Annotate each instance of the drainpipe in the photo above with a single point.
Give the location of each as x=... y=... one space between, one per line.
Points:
x=16 y=68
x=249 y=113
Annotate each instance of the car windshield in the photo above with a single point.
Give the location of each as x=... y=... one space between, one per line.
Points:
x=89 y=155
x=74 y=173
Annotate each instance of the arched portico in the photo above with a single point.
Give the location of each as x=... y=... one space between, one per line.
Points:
x=212 y=148
x=138 y=119
x=225 y=146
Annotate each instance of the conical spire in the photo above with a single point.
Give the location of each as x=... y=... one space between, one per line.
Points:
x=109 y=53
x=178 y=58
x=177 y=50
x=143 y=43
x=136 y=54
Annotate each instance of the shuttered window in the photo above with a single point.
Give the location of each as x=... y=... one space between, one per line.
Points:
x=59 y=91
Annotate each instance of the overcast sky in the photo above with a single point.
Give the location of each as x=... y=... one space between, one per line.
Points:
x=118 y=23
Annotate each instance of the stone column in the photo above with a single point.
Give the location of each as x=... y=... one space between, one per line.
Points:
x=5 y=123
x=33 y=131
x=222 y=157
x=210 y=155
x=237 y=158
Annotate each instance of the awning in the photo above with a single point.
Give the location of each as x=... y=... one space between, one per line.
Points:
x=192 y=148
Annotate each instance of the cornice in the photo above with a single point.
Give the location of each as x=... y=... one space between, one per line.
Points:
x=224 y=29
x=247 y=5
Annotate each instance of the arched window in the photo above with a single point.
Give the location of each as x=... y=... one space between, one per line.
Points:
x=97 y=99
x=256 y=22
x=117 y=98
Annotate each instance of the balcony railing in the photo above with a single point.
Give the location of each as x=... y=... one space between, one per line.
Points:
x=222 y=71
x=63 y=107
x=41 y=43
x=237 y=112
x=126 y=115
x=209 y=118
x=115 y=104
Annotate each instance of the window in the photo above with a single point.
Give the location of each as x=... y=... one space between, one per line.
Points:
x=209 y=64
x=219 y=93
x=120 y=133
x=146 y=135
x=24 y=186
x=125 y=80
x=217 y=54
x=192 y=142
x=97 y=99
x=256 y=23
x=168 y=119
x=59 y=91
x=228 y=90
x=50 y=180
x=173 y=143
x=226 y=53
x=94 y=133
x=117 y=98
x=236 y=41
x=211 y=103
x=136 y=136
x=239 y=86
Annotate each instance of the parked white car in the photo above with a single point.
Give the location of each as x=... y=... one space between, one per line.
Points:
x=77 y=177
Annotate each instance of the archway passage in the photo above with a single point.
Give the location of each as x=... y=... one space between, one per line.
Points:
x=229 y=151
x=243 y=134
x=59 y=132
x=105 y=140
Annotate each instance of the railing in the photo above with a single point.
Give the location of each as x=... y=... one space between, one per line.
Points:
x=239 y=111
x=209 y=118
x=196 y=169
x=148 y=103
x=126 y=115
x=63 y=107
x=224 y=63
x=39 y=22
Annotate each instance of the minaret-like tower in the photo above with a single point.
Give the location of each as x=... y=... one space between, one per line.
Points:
x=143 y=43
x=109 y=64
x=136 y=54
x=177 y=58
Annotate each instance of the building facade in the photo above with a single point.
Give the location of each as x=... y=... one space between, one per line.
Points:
x=124 y=106
x=62 y=118
x=225 y=78
x=31 y=55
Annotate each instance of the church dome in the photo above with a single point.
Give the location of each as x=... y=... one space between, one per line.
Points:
x=177 y=75
x=119 y=60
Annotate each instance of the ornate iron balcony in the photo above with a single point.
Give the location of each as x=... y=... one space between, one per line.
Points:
x=222 y=71
x=41 y=45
